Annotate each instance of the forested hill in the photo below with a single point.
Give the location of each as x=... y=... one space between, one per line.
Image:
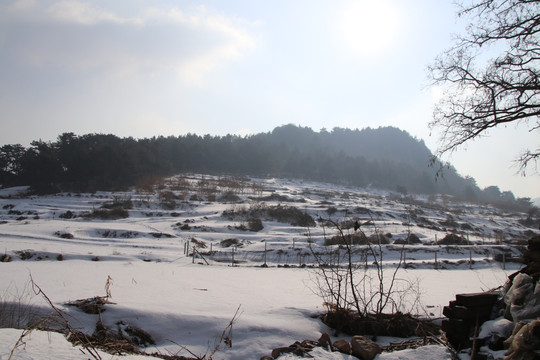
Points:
x=385 y=158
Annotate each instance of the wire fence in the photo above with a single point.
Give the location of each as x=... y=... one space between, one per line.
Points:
x=438 y=257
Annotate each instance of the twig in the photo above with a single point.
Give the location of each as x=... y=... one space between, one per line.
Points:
x=226 y=335
x=85 y=341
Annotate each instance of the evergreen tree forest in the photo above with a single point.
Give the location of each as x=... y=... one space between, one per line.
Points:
x=384 y=158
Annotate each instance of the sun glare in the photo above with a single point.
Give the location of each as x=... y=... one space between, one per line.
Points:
x=368 y=28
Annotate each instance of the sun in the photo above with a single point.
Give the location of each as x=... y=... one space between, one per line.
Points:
x=368 y=28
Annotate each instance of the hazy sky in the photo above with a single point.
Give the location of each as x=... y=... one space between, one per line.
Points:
x=157 y=67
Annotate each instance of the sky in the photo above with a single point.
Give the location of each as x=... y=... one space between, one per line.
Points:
x=159 y=67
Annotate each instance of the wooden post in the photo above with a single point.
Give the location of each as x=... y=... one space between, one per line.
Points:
x=504 y=261
x=233 y=255
x=436 y=265
x=366 y=256
x=265 y=254
x=404 y=258
x=293 y=243
x=470 y=258
x=193 y=258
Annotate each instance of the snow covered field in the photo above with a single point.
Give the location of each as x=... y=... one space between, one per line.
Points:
x=185 y=304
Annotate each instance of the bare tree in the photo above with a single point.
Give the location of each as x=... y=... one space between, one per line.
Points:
x=346 y=282
x=482 y=94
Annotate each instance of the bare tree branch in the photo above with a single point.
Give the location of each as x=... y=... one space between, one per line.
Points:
x=505 y=89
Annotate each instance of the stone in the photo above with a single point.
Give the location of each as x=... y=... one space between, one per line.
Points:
x=325 y=341
x=277 y=352
x=343 y=346
x=363 y=348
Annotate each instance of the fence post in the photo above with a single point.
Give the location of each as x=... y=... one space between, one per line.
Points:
x=404 y=257
x=470 y=258
x=233 y=255
x=265 y=254
x=366 y=257
x=504 y=261
x=436 y=265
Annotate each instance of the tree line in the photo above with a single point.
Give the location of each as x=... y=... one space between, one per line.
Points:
x=383 y=158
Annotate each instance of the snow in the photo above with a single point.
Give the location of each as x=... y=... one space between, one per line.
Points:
x=186 y=305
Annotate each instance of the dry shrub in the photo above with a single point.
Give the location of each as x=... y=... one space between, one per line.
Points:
x=255 y=224
x=67 y=215
x=230 y=242
x=147 y=184
x=25 y=254
x=18 y=309
x=358 y=238
x=453 y=239
x=290 y=215
x=396 y=325
x=5 y=258
x=198 y=243
x=105 y=214
x=167 y=200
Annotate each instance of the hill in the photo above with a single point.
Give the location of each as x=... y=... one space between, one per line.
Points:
x=384 y=158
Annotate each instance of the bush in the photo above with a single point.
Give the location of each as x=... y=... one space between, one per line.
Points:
x=104 y=214
x=67 y=215
x=118 y=202
x=290 y=215
x=453 y=239
x=255 y=224
x=411 y=239
x=25 y=254
x=230 y=242
x=64 y=235
x=167 y=200
x=5 y=258
x=332 y=210
x=198 y=243
x=229 y=196
x=358 y=238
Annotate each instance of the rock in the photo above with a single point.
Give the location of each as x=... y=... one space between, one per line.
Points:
x=325 y=341
x=277 y=352
x=363 y=348
x=525 y=343
x=343 y=346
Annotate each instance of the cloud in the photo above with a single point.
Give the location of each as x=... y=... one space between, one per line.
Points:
x=78 y=36
x=81 y=13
